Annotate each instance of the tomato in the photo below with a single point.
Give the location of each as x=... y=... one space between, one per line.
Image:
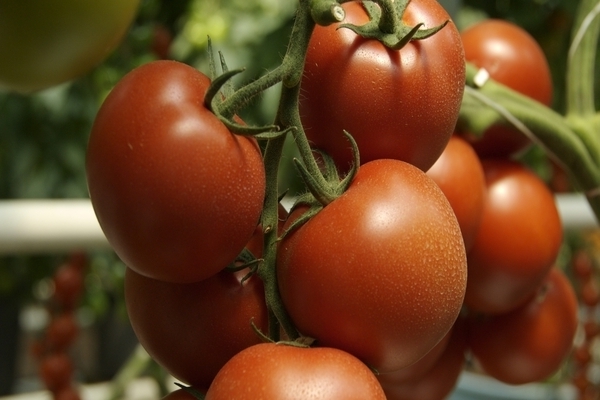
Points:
x=176 y=194
x=439 y=380
x=55 y=41
x=530 y=343
x=284 y=372
x=385 y=284
x=518 y=240
x=458 y=172
x=512 y=57
x=396 y=104
x=193 y=329
x=56 y=370
x=68 y=285
x=67 y=393
x=62 y=331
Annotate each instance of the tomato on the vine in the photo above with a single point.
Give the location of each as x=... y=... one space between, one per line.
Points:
x=54 y=41
x=458 y=172
x=518 y=239
x=512 y=57
x=286 y=372
x=530 y=343
x=396 y=104
x=56 y=370
x=439 y=379
x=193 y=329
x=175 y=192
x=380 y=272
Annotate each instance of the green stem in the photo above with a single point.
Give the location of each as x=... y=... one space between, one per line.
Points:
x=548 y=128
x=582 y=58
x=287 y=117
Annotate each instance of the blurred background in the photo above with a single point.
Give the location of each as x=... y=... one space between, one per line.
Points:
x=43 y=140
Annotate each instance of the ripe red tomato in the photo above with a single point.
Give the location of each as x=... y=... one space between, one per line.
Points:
x=385 y=284
x=68 y=285
x=528 y=344
x=284 y=372
x=439 y=380
x=62 y=331
x=518 y=240
x=512 y=57
x=56 y=370
x=396 y=104
x=458 y=172
x=54 y=41
x=193 y=329
x=176 y=194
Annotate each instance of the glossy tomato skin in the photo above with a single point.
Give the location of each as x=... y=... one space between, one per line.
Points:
x=396 y=104
x=530 y=343
x=438 y=381
x=518 y=240
x=176 y=194
x=512 y=57
x=381 y=271
x=458 y=172
x=284 y=372
x=55 y=41
x=193 y=329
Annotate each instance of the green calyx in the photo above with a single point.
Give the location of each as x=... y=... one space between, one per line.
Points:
x=386 y=25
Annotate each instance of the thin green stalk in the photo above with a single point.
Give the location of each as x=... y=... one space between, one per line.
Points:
x=582 y=58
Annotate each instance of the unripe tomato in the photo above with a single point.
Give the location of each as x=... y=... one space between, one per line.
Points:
x=44 y=43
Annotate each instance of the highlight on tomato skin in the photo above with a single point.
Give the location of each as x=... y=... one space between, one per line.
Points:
x=530 y=343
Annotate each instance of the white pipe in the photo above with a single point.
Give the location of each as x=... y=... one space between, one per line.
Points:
x=51 y=226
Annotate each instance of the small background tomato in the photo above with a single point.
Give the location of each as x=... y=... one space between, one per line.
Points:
x=284 y=372
x=53 y=41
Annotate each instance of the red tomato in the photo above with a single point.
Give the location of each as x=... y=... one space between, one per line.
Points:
x=512 y=57
x=193 y=329
x=528 y=344
x=67 y=393
x=284 y=372
x=62 y=331
x=439 y=380
x=385 y=284
x=176 y=194
x=68 y=285
x=518 y=240
x=56 y=370
x=458 y=172
x=396 y=104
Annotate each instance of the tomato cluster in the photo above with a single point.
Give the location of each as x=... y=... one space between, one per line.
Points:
x=377 y=290
x=51 y=350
